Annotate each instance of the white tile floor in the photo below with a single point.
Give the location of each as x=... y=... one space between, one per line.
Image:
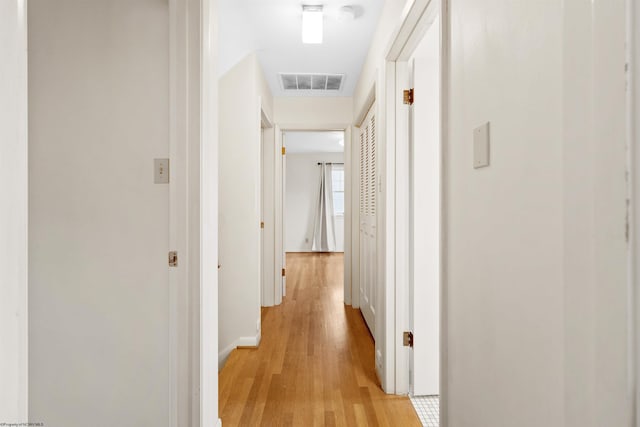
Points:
x=428 y=409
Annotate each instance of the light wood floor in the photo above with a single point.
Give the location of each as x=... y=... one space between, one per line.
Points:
x=315 y=364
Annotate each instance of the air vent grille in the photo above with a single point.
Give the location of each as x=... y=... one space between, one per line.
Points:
x=319 y=82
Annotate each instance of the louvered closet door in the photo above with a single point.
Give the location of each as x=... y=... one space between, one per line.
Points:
x=368 y=198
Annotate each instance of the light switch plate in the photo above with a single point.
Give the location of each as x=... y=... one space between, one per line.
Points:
x=160 y=171
x=481 y=146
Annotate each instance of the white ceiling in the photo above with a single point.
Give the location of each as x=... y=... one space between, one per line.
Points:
x=273 y=28
x=314 y=142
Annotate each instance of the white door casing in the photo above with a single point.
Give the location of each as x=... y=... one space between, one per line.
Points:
x=262 y=215
x=416 y=21
x=268 y=215
x=284 y=210
x=424 y=214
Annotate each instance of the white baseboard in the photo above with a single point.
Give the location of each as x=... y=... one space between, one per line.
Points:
x=219 y=422
x=224 y=354
x=242 y=342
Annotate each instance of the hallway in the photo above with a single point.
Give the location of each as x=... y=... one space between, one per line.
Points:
x=315 y=364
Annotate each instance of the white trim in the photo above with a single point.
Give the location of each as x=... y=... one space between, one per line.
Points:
x=270 y=286
x=633 y=159
x=224 y=354
x=417 y=18
x=368 y=103
x=184 y=228
x=280 y=176
x=264 y=117
x=348 y=253
x=445 y=53
x=355 y=217
x=279 y=217
x=385 y=314
x=14 y=281
x=204 y=30
x=402 y=231
x=285 y=127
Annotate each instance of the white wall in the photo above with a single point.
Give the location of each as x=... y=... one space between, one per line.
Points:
x=239 y=204
x=388 y=23
x=236 y=36
x=313 y=113
x=537 y=302
x=13 y=212
x=535 y=257
x=98 y=239
x=303 y=182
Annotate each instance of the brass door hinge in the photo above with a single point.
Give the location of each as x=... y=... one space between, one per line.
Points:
x=173 y=259
x=284 y=272
x=408 y=96
x=407 y=339
x=284 y=151
x=261 y=224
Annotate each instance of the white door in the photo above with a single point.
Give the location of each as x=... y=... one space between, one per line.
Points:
x=283 y=209
x=424 y=213
x=368 y=179
x=262 y=216
x=99 y=293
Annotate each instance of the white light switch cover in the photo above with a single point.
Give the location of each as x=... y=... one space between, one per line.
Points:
x=481 y=146
x=161 y=171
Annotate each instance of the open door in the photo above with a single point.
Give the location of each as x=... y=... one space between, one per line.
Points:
x=268 y=214
x=284 y=211
x=424 y=214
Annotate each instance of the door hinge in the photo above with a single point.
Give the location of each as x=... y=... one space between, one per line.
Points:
x=284 y=151
x=284 y=272
x=173 y=259
x=407 y=339
x=408 y=96
x=261 y=224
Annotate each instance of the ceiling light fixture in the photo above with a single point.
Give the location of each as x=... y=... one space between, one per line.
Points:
x=347 y=14
x=312 y=24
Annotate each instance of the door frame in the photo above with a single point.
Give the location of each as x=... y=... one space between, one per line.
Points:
x=268 y=290
x=407 y=71
x=193 y=206
x=280 y=171
x=417 y=18
x=633 y=193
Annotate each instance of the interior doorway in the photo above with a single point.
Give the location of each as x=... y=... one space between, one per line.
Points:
x=314 y=207
x=419 y=74
x=424 y=213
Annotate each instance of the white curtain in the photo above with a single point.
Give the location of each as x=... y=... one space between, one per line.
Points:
x=324 y=234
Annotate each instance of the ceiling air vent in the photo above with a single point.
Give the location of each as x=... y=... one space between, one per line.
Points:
x=320 y=82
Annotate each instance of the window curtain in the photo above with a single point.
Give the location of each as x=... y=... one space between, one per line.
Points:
x=324 y=234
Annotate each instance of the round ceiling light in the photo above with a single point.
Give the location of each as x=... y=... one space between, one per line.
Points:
x=347 y=13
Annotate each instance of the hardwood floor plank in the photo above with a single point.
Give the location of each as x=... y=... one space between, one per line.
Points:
x=315 y=364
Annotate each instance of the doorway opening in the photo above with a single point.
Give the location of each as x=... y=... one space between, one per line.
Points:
x=418 y=73
x=314 y=202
